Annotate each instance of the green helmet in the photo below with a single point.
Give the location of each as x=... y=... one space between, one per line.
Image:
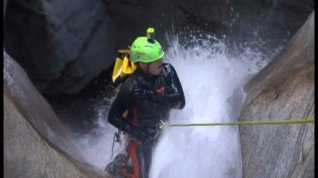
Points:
x=145 y=50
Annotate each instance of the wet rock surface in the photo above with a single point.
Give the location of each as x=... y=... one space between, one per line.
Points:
x=284 y=89
x=36 y=144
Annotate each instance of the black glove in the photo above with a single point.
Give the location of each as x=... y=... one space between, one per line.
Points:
x=148 y=140
x=152 y=135
x=141 y=135
x=135 y=132
x=142 y=93
x=162 y=98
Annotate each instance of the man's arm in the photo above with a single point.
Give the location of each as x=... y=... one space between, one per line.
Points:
x=120 y=104
x=172 y=96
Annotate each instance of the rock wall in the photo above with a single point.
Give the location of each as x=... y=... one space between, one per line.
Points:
x=61 y=44
x=284 y=89
x=239 y=20
x=131 y=19
x=36 y=144
x=4 y=7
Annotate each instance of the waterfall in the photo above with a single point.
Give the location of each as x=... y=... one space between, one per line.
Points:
x=212 y=77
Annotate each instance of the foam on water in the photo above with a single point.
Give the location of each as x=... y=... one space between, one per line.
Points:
x=212 y=81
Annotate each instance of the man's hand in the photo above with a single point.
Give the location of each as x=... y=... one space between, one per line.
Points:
x=142 y=93
x=149 y=139
x=152 y=135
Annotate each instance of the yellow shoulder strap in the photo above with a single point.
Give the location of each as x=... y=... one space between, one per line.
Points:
x=128 y=66
x=117 y=68
x=125 y=114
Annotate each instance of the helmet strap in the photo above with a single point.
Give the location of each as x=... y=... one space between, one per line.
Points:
x=148 y=66
x=145 y=67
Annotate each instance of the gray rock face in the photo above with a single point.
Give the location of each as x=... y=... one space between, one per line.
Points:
x=61 y=44
x=240 y=19
x=284 y=89
x=35 y=142
x=131 y=19
x=4 y=7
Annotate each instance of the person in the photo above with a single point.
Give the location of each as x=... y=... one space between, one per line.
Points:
x=148 y=94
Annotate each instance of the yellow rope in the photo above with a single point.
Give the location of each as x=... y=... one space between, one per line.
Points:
x=260 y=122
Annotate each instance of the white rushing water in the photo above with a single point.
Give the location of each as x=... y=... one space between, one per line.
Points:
x=212 y=81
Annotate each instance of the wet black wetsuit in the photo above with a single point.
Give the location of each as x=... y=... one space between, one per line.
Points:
x=148 y=99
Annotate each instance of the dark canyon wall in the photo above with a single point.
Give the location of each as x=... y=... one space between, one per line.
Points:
x=61 y=44
x=64 y=44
